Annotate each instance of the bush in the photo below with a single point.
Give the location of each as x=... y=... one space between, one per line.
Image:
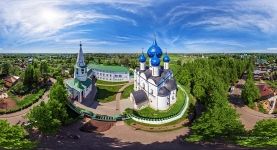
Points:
x=19 y=89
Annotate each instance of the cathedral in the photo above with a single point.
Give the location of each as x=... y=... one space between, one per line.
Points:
x=154 y=84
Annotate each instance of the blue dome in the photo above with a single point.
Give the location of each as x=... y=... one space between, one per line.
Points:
x=142 y=58
x=155 y=61
x=154 y=49
x=166 y=58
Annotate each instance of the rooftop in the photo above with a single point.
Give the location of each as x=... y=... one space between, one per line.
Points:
x=78 y=85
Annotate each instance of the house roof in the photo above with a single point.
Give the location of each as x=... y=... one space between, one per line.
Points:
x=171 y=84
x=11 y=79
x=139 y=96
x=265 y=90
x=163 y=91
x=78 y=85
x=108 y=68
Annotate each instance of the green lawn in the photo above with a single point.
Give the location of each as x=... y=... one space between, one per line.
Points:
x=30 y=98
x=106 y=93
x=109 y=83
x=127 y=91
x=151 y=113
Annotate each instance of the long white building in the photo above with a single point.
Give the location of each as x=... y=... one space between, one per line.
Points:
x=154 y=85
x=109 y=73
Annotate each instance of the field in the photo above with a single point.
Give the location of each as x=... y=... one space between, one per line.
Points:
x=106 y=93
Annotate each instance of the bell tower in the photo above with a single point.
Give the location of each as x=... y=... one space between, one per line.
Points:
x=80 y=69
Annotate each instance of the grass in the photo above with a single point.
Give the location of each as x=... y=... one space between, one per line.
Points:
x=106 y=93
x=109 y=83
x=127 y=91
x=261 y=108
x=30 y=98
x=174 y=109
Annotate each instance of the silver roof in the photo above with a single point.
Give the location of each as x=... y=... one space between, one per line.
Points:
x=139 y=96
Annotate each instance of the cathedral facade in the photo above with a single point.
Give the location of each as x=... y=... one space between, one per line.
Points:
x=154 y=84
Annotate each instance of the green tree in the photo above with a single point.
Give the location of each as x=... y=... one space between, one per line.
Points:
x=28 y=76
x=6 y=68
x=214 y=123
x=14 y=137
x=250 y=92
x=264 y=135
x=42 y=118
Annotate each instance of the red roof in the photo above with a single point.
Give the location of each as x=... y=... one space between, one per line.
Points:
x=265 y=90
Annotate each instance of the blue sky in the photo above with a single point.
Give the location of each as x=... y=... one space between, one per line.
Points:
x=181 y=26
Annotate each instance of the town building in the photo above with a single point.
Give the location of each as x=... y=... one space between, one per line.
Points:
x=10 y=81
x=154 y=84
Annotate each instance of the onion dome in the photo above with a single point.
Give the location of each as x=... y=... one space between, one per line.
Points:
x=142 y=58
x=166 y=58
x=154 y=49
x=155 y=61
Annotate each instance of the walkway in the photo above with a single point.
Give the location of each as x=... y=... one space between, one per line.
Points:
x=110 y=108
x=15 y=117
x=248 y=116
x=118 y=95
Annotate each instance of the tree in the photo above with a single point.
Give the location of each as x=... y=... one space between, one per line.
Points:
x=250 y=92
x=264 y=135
x=44 y=70
x=42 y=118
x=214 y=123
x=58 y=109
x=54 y=111
x=6 y=69
x=28 y=76
x=14 y=137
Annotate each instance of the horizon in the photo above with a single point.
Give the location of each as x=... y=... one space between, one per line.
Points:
x=180 y=26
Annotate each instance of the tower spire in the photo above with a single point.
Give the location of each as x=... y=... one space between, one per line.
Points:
x=80 y=59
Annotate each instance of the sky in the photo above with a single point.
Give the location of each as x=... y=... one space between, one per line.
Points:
x=128 y=26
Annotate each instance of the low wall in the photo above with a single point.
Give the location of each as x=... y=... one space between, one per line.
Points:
x=167 y=119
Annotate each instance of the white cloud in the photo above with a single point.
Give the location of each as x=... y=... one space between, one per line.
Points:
x=26 y=21
x=230 y=15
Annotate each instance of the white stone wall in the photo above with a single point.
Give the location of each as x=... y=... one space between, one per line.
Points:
x=173 y=97
x=163 y=103
x=80 y=73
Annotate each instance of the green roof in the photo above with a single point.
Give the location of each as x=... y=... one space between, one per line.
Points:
x=78 y=85
x=108 y=68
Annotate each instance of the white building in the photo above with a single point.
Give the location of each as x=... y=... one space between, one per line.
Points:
x=109 y=73
x=154 y=85
x=82 y=84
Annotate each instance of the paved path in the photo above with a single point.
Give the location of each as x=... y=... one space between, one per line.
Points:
x=106 y=108
x=15 y=117
x=118 y=95
x=128 y=134
x=248 y=116
x=110 y=108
